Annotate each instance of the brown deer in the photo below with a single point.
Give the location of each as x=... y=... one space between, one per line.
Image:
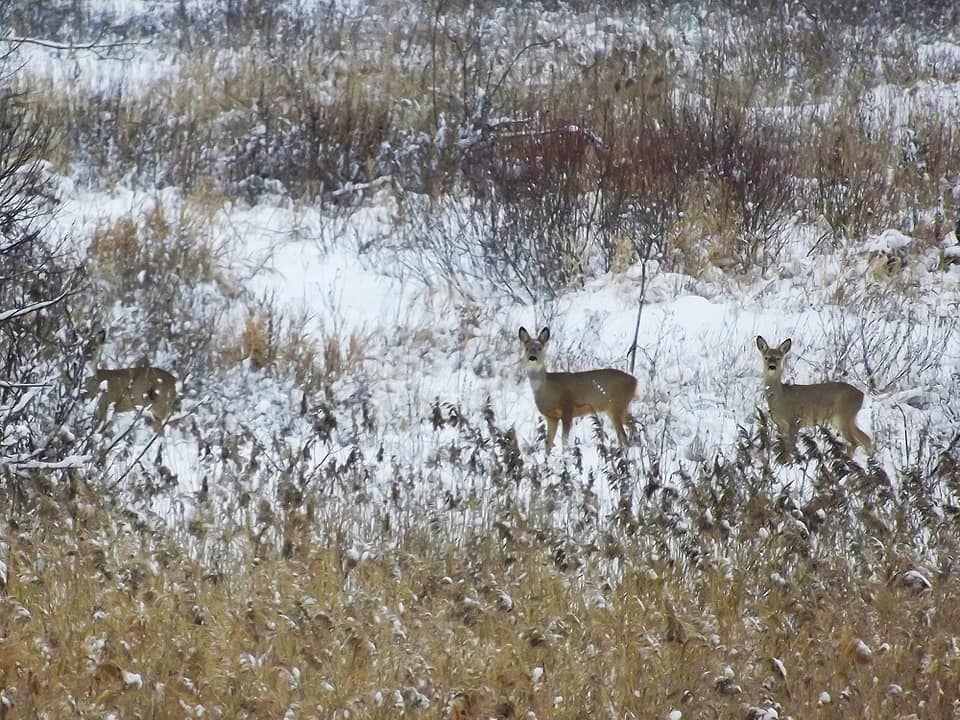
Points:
x=129 y=388
x=562 y=396
x=796 y=406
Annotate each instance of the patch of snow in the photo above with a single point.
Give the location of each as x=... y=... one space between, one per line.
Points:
x=889 y=240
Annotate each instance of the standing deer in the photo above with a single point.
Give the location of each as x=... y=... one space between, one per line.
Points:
x=796 y=406
x=562 y=396
x=130 y=388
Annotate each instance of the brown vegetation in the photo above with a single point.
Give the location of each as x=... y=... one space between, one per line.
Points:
x=714 y=600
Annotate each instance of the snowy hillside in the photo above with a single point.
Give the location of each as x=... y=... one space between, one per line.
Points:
x=697 y=363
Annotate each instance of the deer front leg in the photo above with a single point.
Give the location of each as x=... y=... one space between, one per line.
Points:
x=551 y=432
x=788 y=436
x=567 y=421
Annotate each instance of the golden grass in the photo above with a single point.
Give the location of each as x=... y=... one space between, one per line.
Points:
x=271 y=342
x=255 y=341
x=158 y=247
x=516 y=618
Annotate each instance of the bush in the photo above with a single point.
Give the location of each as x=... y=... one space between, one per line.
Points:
x=42 y=364
x=158 y=286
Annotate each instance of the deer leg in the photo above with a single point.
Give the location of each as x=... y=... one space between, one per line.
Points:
x=857 y=437
x=551 y=432
x=100 y=414
x=567 y=421
x=159 y=411
x=617 y=417
x=788 y=436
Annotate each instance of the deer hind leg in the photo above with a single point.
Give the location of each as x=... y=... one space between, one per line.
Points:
x=856 y=437
x=618 y=416
x=551 y=432
x=157 y=400
x=159 y=410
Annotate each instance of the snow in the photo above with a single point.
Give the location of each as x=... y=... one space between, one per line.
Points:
x=889 y=240
x=696 y=359
x=697 y=362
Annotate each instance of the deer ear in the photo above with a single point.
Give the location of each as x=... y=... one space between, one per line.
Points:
x=544 y=335
x=524 y=335
x=762 y=344
x=786 y=345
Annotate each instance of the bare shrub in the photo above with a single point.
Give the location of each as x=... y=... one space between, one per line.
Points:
x=646 y=181
x=529 y=250
x=256 y=127
x=707 y=184
x=753 y=162
x=62 y=21
x=925 y=173
x=42 y=366
x=159 y=286
x=552 y=205
x=275 y=27
x=884 y=353
x=852 y=189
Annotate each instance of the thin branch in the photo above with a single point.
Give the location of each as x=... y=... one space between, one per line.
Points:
x=95 y=45
x=32 y=308
x=69 y=462
x=520 y=53
x=135 y=462
x=9 y=412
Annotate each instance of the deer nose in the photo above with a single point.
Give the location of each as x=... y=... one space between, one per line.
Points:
x=532 y=358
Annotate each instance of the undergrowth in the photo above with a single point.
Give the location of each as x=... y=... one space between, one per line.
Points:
x=559 y=153
x=516 y=594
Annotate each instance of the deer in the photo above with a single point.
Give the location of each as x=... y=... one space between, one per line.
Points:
x=796 y=406
x=129 y=388
x=562 y=396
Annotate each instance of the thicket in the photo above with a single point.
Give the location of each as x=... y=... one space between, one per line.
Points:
x=519 y=161
x=42 y=339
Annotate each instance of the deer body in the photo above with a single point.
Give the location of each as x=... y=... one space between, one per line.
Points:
x=129 y=388
x=562 y=396
x=796 y=406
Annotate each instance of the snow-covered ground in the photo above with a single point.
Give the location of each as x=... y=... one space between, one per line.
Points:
x=698 y=366
x=697 y=363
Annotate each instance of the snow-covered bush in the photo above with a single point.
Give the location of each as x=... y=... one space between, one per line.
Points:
x=158 y=285
x=43 y=342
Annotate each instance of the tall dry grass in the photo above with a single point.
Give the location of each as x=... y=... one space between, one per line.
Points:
x=721 y=597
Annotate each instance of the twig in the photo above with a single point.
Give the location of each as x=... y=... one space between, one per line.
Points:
x=32 y=308
x=136 y=460
x=94 y=45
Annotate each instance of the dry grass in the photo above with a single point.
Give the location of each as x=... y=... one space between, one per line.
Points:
x=759 y=603
x=158 y=248
x=285 y=347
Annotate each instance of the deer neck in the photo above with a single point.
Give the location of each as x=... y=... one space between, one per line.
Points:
x=772 y=389
x=537 y=377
